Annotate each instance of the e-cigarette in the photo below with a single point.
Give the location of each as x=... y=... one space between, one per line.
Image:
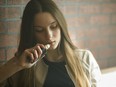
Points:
x=44 y=51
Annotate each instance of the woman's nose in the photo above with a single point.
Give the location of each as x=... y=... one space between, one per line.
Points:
x=49 y=33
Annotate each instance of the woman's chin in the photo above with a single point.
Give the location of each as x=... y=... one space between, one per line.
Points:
x=52 y=47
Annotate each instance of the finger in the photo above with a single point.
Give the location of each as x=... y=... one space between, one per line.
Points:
x=38 y=51
x=29 y=56
x=35 y=54
x=40 y=45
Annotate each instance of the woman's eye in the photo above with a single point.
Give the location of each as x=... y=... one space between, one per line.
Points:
x=38 y=29
x=54 y=26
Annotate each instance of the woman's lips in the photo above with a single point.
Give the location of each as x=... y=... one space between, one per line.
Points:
x=51 y=43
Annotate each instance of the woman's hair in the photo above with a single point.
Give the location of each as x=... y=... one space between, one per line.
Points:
x=66 y=46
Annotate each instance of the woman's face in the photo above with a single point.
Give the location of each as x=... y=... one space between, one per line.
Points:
x=47 y=30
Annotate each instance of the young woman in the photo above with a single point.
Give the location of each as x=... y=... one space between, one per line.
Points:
x=64 y=65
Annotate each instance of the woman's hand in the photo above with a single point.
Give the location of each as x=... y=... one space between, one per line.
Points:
x=26 y=60
x=29 y=56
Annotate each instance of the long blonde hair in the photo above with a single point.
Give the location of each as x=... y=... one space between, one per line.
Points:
x=66 y=46
x=75 y=66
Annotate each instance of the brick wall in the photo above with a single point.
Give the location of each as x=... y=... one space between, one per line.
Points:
x=10 y=19
x=91 y=23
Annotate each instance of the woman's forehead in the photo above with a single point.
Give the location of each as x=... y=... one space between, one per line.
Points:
x=43 y=18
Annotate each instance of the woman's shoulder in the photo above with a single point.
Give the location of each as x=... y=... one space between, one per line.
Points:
x=84 y=53
x=86 y=56
x=91 y=66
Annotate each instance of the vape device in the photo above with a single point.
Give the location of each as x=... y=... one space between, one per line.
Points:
x=44 y=51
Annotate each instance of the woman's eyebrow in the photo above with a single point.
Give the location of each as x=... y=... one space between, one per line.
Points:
x=53 y=22
x=37 y=26
x=43 y=27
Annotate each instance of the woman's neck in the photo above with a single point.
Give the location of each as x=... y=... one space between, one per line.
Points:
x=54 y=56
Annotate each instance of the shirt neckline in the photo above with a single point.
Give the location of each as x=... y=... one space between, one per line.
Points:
x=53 y=63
